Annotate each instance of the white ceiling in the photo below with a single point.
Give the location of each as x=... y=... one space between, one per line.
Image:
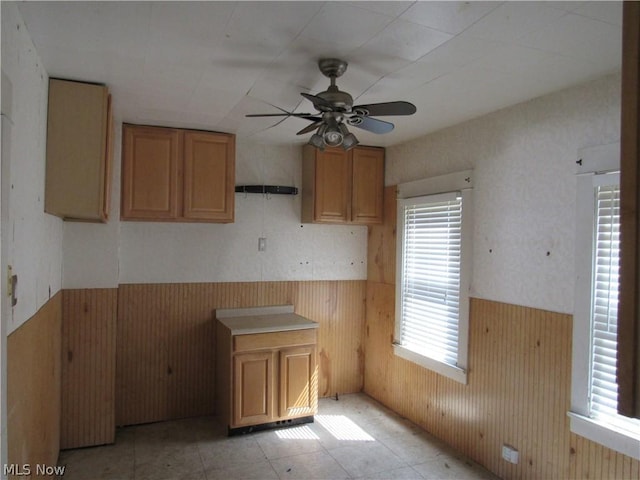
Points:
x=206 y=64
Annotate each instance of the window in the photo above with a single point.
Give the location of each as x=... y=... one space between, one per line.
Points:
x=594 y=391
x=432 y=285
x=604 y=302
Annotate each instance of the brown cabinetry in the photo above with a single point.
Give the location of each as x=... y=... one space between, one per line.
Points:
x=265 y=378
x=276 y=384
x=253 y=388
x=342 y=186
x=79 y=136
x=170 y=174
x=150 y=183
x=298 y=389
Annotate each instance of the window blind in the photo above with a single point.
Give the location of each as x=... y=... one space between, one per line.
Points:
x=604 y=388
x=431 y=277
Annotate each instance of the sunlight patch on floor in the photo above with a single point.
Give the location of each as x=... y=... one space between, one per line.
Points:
x=297 y=433
x=343 y=428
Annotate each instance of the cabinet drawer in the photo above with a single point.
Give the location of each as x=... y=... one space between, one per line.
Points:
x=260 y=341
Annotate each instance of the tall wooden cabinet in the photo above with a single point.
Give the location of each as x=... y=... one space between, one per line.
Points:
x=343 y=186
x=171 y=174
x=79 y=138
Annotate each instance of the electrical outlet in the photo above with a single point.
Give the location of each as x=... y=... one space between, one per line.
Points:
x=510 y=454
x=262 y=244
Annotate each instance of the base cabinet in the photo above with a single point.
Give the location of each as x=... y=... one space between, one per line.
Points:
x=266 y=378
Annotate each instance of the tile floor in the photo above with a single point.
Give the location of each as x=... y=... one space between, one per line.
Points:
x=354 y=437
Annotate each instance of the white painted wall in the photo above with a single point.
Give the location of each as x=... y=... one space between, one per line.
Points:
x=524 y=200
x=525 y=187
x=101 y=256
x=523 y=158
x=33 y=238
x=163 y=252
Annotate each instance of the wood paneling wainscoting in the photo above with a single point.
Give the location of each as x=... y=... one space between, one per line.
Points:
x=518 y=391
x=33 y=389
x=88 y=367
x=146 y=353
x=519 y=381
x=166 y=340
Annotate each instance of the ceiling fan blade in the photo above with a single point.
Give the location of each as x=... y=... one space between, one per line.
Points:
x=287 y=114
x=372 y=124
x=317 y=101
x=310 y=128
x=387 y=108
x=267 y=115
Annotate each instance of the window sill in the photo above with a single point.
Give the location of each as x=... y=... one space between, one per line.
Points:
x=454 y=373
x=604 y=434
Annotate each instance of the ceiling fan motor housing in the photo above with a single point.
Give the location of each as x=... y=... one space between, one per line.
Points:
x=340 y=101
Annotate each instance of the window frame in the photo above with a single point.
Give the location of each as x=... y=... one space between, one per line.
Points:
x=462 y=183
x=599 y=166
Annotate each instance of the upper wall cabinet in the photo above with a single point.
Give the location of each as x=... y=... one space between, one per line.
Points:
x=342 y=187
x=178 y=175
x=79 y=136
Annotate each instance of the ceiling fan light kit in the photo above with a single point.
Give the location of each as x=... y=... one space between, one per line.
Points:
x=335 y=110
x=317 y=139
x=349 y=140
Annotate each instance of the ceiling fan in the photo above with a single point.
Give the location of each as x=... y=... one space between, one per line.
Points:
x=336 y=111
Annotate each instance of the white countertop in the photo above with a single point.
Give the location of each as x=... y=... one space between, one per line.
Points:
x=279 y=318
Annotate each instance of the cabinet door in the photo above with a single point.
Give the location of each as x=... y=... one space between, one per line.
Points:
x=150 y=173
x=209 y=176
x=298 y=382
x=253 y=388
x=332 y=186
x=77 y=179
x=368 y=185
